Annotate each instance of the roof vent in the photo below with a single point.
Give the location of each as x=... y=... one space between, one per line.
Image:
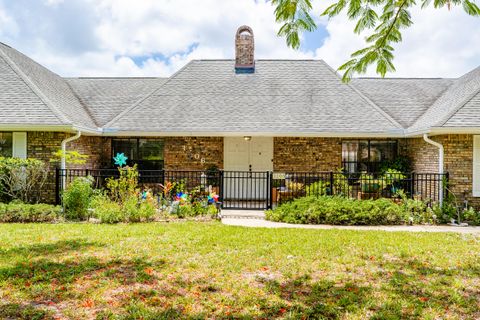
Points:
x=244 y=50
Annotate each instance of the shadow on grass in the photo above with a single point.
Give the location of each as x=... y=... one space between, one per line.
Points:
x=401 y=289
x=21 y=312
x=44 y=271
x=46 y=249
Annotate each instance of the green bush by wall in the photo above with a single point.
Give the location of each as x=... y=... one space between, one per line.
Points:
x=344 y=211
x=21 y=212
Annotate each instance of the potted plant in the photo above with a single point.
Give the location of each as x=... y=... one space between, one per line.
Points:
x=393 y=178
x=213 y=176
x=277 y=183
x=368 y=184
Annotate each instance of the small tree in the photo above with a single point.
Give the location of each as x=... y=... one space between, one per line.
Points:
x=76 y=198
x=125 y=186
x=71 y=157
x=22 y=179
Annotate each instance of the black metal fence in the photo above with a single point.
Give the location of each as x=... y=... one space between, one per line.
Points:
x=262 y=190
x=430 y=187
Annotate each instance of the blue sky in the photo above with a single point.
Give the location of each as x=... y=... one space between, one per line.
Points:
x=157 y=37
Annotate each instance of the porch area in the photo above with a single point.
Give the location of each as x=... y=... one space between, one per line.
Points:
x=260 y=190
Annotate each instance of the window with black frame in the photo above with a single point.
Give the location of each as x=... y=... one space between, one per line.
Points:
x=6 y=144
x=367 y=155
x=146 y=153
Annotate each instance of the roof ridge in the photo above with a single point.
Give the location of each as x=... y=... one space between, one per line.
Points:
x=460 y=106
x=403 y=78
x=112 y=78
x=36 y=90
x=121 y=114
x=286 y=59
x=364 y=97
x=444 y=119
x=85 y=107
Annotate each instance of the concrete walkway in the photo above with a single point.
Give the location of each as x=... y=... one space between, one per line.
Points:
x=256 y=219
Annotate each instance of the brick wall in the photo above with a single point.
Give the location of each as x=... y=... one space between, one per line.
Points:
x=307 y=154
x=41 y=145
x=193 y=153
x=458 y=162
x=290 y=154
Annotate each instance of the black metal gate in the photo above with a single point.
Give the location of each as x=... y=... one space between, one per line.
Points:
x=246 y=190
x=236 y=189
x=254 y=189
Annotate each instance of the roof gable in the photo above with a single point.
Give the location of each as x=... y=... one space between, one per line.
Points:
x=19 y=103
x=58 y=99
x=405 y=99
x=458 y=94
x=105 y=98
x=282 y=96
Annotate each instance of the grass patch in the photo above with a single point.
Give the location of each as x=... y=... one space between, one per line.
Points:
x=208 y=270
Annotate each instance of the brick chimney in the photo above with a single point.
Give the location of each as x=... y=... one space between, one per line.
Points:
x=244 y=50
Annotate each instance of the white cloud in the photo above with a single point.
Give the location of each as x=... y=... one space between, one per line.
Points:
x=106 y=37
x=441 y=43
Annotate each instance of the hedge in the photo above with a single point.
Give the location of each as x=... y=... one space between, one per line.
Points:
x=344 y=211
x=21 y=212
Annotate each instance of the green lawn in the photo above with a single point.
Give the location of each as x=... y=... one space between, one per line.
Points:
x=208 y=270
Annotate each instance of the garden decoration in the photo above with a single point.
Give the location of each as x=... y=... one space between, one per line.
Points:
x=181 y=196
x=120 y=159
x=212 y=198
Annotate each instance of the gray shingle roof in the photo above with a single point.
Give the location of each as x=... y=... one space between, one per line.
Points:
x=206 y=96
x=449 y=104
x=405 y=99
x=51 y=90
x=466 y=116
x=18 y=102
x=107 y=97
x=282 y=96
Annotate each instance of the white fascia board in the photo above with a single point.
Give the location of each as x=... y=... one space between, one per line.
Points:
x=455 y=130
x=120 y=133
x=87 y=131
x=46 y=127
x=35 y=127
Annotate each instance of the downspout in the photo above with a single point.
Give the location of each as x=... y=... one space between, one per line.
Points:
x=440 y=162
x=63 y=163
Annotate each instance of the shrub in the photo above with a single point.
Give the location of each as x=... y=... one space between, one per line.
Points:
x=131 y=210
x=125 y=186
x=21 y=179
x=319 y=188
x=77 y=197
x=106 y=210
x=138 y=210
x=21 y=212
x=471 y=216
x=344 y=211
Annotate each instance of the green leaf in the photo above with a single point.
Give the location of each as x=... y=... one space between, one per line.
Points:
x=471 y=8
x=368 y=20
x=386 y=19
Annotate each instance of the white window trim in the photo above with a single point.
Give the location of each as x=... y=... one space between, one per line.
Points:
x=475 y=160
x=19 y=145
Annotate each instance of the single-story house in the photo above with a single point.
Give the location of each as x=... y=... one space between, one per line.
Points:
x=247 y=115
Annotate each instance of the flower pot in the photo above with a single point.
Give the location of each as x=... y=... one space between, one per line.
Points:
x=274 y=195
x=370 y=187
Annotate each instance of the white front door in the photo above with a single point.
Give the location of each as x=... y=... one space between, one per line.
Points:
x=251 y=159
x=253 y=155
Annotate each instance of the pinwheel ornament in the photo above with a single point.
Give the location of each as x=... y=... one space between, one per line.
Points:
x=120 y=159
